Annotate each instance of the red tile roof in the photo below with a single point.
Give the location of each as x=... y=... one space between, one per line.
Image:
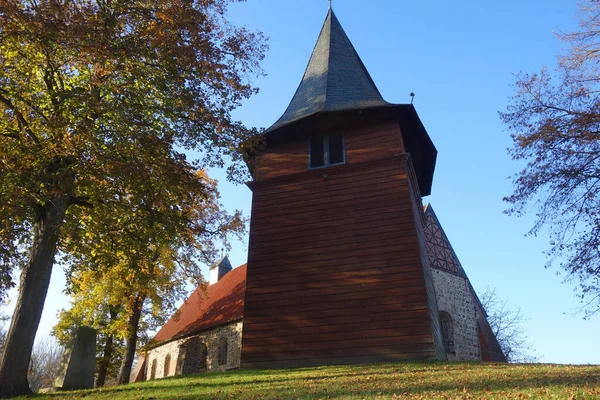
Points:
x=217 y=304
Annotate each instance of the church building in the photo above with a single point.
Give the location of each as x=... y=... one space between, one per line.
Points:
x=345 y=265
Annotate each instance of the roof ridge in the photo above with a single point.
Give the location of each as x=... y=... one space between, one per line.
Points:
x=364 y=69
x=330 y=16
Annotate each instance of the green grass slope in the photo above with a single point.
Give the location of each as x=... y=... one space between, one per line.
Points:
x=435 y=380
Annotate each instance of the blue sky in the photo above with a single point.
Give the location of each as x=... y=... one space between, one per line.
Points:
x=459 y=58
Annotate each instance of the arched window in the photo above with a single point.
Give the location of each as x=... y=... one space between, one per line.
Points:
x=203 y=354
x=167 y=367
x=223 y=351
x=447 y=331
x=153 y=370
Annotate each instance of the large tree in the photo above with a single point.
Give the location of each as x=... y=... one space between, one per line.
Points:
x=96 y=96
x=3 y=319
x=554 y=118
x=135 y=252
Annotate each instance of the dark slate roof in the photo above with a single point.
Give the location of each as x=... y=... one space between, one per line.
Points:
x=335 y=79
x=223 y=263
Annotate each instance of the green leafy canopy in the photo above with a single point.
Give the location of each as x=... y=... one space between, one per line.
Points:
x=97 y=100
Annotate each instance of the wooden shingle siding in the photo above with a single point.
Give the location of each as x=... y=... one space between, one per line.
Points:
x=419 y=218
x=311 y=316
x=363 y=144
x=317 y=310
x=359 y=302
x=382 y=317
x=335 y=270
x=338 y=291
x=411 y=331
x=316 y=274
x=337 y=280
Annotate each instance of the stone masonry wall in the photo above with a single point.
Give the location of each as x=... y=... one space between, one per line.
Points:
x=211 y=338
x=454 y=297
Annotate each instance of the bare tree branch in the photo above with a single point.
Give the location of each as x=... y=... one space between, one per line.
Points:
x=507 y=324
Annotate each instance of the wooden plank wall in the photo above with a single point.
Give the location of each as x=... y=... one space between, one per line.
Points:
x=419 y=217
x=363 y=144
x=335 y=271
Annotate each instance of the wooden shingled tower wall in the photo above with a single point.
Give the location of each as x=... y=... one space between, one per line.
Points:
x=337 y=266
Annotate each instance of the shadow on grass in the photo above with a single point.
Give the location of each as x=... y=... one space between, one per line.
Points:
x=360 y=381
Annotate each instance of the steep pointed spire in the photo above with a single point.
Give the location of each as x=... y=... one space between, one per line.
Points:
x=335 y=79
x=337 y=82
x=219 y=269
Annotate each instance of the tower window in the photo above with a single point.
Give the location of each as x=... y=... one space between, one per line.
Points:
x=203 y=356
x=326 y=150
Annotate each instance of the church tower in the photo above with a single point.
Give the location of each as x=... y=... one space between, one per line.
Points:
x=337 y=266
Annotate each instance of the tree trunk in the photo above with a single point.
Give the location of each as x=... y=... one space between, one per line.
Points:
x=131 y=341
x=104 y=363
x=35 y=279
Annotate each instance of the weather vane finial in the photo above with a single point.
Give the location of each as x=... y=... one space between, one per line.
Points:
x=330 y=4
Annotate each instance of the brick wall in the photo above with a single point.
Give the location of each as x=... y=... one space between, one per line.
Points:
x=211 y=338
x=455 y=298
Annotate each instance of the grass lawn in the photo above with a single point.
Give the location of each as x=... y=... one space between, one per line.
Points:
x=434 y=380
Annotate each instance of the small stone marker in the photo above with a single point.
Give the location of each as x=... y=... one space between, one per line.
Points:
x=79 y=362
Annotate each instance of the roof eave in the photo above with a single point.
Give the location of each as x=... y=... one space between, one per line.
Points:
x=415 y=136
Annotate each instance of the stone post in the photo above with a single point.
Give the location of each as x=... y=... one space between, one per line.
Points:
x=79 y=362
